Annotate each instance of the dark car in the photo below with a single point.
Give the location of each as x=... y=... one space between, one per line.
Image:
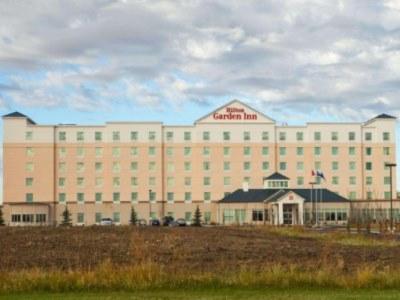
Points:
x=155 y=222
x=141 y=222
x=167 y=220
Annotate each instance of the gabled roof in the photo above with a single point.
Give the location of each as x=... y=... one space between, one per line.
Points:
x=233 y=102
x=17 y=114
x=276 y=176
x=272 y=195
x=384 y=116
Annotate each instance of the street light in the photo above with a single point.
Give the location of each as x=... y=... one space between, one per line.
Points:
x=391 y=166
x=312 y=203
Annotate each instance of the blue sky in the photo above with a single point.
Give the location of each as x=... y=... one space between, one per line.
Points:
x=174 y=61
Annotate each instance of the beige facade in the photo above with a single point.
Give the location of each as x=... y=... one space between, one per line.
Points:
x=102 y=171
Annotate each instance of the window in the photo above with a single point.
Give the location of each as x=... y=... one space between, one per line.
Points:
x=246 y=136
x=247 y=166
x=352 y=165
x=335 y=150
x=152 y=196
x=188 y=181
x=29 y=181
x=352 y=136
x=265 y=166
x=226 y=135
x=98 y=181
x=352 y=180
x=61 y=197
x=368 y=151
x=317 y=165
x=227 y=151
x=352 y=195
x=116 y=181
x=335 y=165
x=265 y=151
x=299 y=136
x=98 y=166
x=386 y=151
x=116 y=217
x=300 y=166
x=187 y=151
x=188 y=196
x=258 y=215
x=369 y=195
x=334 y=136
x=134 y=135
x=386 y=136
x=80 y=136
x=29 y=151
x=335 y=180
x=282 y=136
x=80 y=181
x=29 y=166
x=387 y=195
x=207 y=217
x=170 y=167
x=98 y=217
x=134 y=181
x=206 y=166
x=116 y=151
x=152 y=181
x=187 y=135
x=29 y=197
x=206 y=135
x=282 y=166
x=80 y=152
x=368 y=136
x=282 y=151
x=187 y=165
x=98 y=197
x=98 y=136
x=29 y=135
x=61 y=181
x=152 y=166
x=246 y=151
x=188 y=216
x=80 y=167
x=116 y=167
x=227 y=166
x=207 y=196
x=352 y=151
x=368 y=166
x=227 y=181
x=170 y=136
x=169 y=151
x=170 y=197
x=62 y=136
x=152 y=151
x=368 y=180
x=80 y=197
x=206 y=151
x=300 y=151
x=134 y=151
x=206 y=181
x=265 y=136
x=80 y=218
x=98 y=152
x=300 y=180
x=386 y=180
x=115 y=136
x=317 y=151
x=134 y=166
x=170 y=181
x=317 y=136
x=152 y=135
x=116 y=197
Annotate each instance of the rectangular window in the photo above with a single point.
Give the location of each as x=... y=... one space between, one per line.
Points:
x=80 y=167
x=98 y=152
x=265 y=151
x=116 y=197
x=98 y=217
x=152 y=166
x=188 y=196
x=227 y=181
x=29 y=197
x=335 y=165
x=29 y=135
x=335 y=180
x=29 y=181
x=227 y=166
x=152 y=151
x=282 y=151
x=61 y=181
x=115 y=136
x=387 y=195
x=80 y=218
x=206 y=151
x=206 y=181
x=62 y=197
x=116 y=181
x=352 y=165
x=257 y=216
x=62 y=167
x=368 y=136
x=207 y=196
x=98 y=197
x=187 y=151
x=187 y=165
x=170 y=197
x=169 y=151
x=98 y=166
x=80 y=181
x=152 y=181
x=62 y=136
x=335 y=150
x=170 y=136
x=386 y=151
x=368 y=166
x=226 y=135
x=227 y=151
x=80 y=152
x=116 y=167
x=386 y=180
x=187 y=135
x=116 y=217
x=299 y=136
x=134 y=151
x=317 y=151
x=386 y=136
x=282 y=136
x=134 y=135
x=80 y=136
x=352 y=136
x=334 y=136
x=206 y=166
x=300 y=166
x=134 y=166
x=265 y=135
x=188 y=216
x=265 y=166
x=299 y=151
x=246 y=151
x=29 y=151
x=152 y=196
x=317 y=136
x=206 y=135
x=170 y=167
x=247 y=166
x=282 y=166
x=188 y=181
x=207 y=217
x=98 y=136
x=352 y=195
x=40 y=218
x=152 y=135
x=352 y=151
x=80 y=197
x=170 y=181
x=134 y=181
x=246 y=136
x=368 y=180
x=300 y=181
x=368 y=151
x=317 y=165
x=352 y=180
x=98 y=181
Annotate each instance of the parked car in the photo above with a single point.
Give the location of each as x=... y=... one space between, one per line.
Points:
x=106 y=222
x=155 y=222
x=167 y=220
x=181 y=222
x=141 y=222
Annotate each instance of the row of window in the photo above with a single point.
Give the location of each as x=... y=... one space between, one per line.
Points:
x=28 y=218
x=226 y=135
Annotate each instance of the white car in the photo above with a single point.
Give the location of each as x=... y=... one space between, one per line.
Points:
x=106 y=222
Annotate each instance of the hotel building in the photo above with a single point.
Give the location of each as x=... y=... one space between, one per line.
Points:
x=103 y=170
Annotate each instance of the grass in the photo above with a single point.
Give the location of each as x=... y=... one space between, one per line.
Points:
x=216 y=294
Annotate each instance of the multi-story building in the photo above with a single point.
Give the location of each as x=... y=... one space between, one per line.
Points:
x=103 y=170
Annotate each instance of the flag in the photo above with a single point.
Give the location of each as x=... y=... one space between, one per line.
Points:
x=320 y=174
x=312 y=173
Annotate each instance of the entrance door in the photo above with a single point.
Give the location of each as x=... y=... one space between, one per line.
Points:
x=288 y=214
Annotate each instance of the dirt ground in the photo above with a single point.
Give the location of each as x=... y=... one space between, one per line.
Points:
x=198 y=249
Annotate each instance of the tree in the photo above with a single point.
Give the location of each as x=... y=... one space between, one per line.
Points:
x=1 y=218
x=197 y=217
x=133 y=219
x=67 y=221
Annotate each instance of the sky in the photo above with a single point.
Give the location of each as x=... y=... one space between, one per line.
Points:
x=174 y=61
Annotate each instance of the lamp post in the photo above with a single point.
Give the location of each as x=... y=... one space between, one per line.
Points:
x=391 y=166
x=150 y=204
x=312 y=202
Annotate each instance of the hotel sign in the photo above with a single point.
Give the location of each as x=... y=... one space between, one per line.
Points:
x=232 y=113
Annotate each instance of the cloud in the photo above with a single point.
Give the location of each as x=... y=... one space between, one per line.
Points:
x=341 y=58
